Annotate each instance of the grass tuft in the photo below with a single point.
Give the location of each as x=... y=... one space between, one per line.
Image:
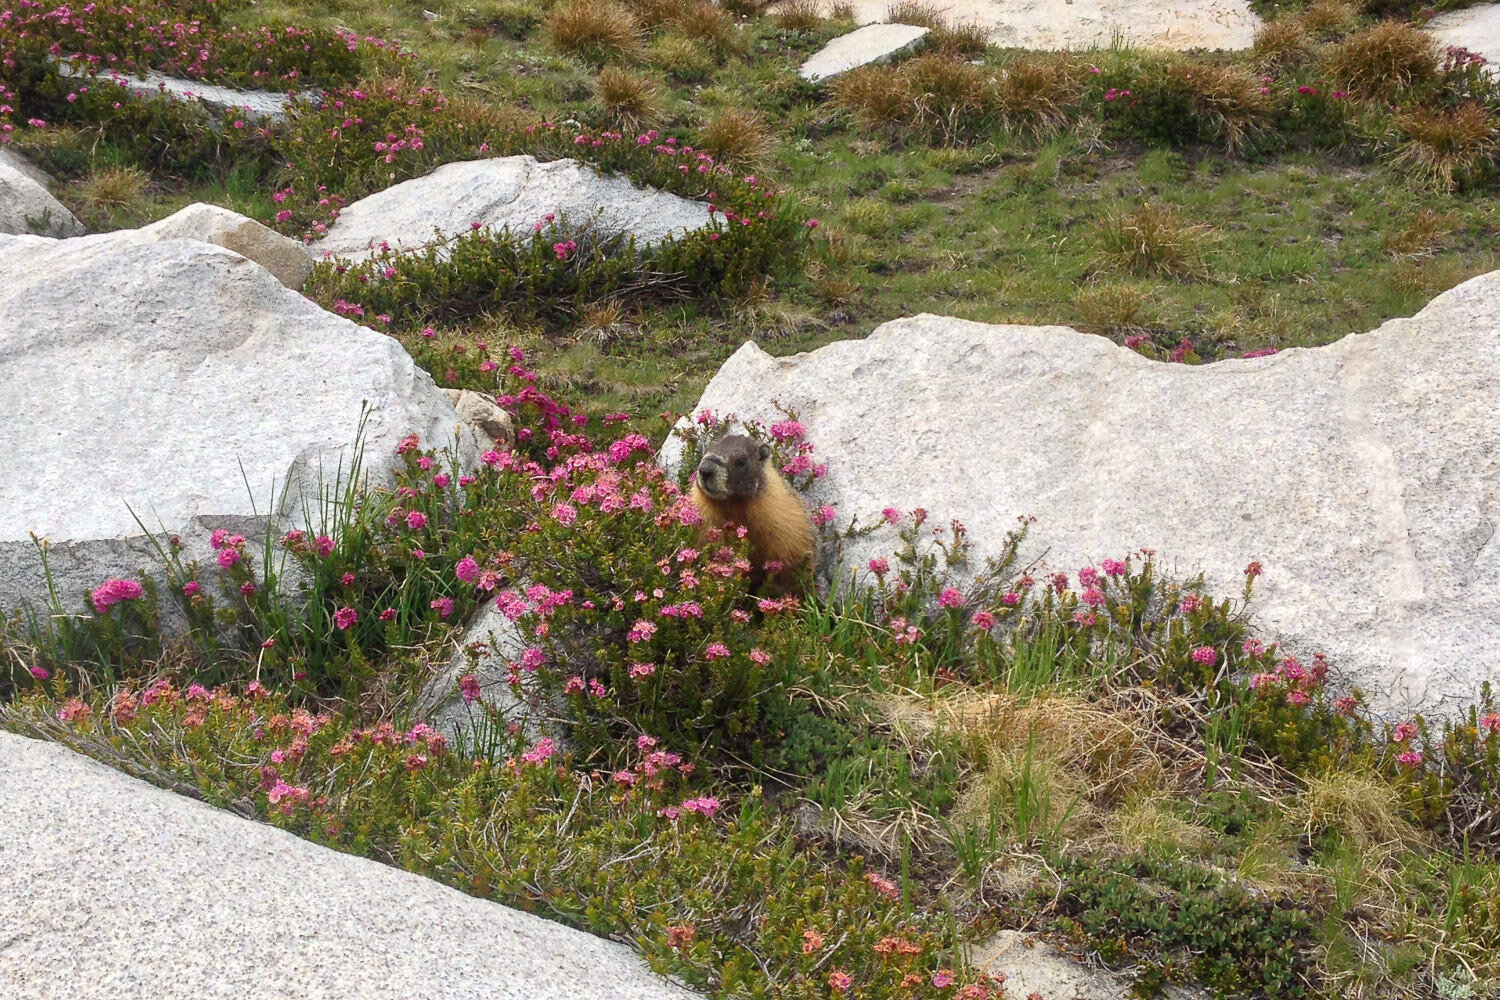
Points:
x=596 y=33
x=1153 y=240
x=631 y=100
x=737 y=136
x=1447 y=149
x=1385 y=60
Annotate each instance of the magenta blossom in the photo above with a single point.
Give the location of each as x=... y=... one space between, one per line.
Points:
x=112 y=592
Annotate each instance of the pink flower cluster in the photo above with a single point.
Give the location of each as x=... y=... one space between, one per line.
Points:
x=112 y=592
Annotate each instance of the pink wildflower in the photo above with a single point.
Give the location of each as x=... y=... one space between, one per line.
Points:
x=345 y=618
x=1205 y=655
x=112 y=592
x=467 y=569
x=951 y=597
x=468 y=685
x=539 y=753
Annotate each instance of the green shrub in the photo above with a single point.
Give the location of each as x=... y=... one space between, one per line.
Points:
x=1178 y=923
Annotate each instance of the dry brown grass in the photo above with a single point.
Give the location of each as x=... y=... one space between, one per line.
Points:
x=915 y=12
x=797 y=15
x=683 y=58
x=966 y=40
x=631 y=100
x=1113 y=308
x=1153 y=240
x=596 y=33
x=1229 y=99
x=1033 y=95
x=1423 y=237
x=1098 y=743
x=653 y=14
x=737 y=136
x=1282 y=43
x=114 y=188
x=1329 y=19
x=1361 y=806
x=878 y=98
x=1384 y=59
x=1444 y=149
x=711 y=26
x=1147 y=824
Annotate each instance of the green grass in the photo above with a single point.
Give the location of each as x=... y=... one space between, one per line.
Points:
x=1079 y=790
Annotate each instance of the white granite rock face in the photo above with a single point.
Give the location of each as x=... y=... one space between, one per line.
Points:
x=480 y=411
x=113 y=889
x=860 y=47
x=147 y=376
x=1364 y=475
x=1474 y=28
x=1033 y=967
x=285 y=258
x=250 y=105
x=1082 y=24
x=513 y=192
x=26 y=206
x=442 y=701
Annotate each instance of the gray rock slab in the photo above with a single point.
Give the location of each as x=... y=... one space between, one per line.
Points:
x=480 y=411
x=508 y=192
x=860 y=47
x=1474 y=28
x=1084 y=24
x=285 y=258
x=26 y=206
x=113 y=889
x=442 y=703
x=1032 y=966
x=253 y=105
x=182 y=380
x=1364 y=475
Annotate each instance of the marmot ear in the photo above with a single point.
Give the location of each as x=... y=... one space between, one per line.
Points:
x=765 y=452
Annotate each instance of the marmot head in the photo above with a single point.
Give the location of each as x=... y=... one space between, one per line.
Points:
x=733 y=468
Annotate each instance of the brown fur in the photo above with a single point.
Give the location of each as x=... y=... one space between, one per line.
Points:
x=753 y=495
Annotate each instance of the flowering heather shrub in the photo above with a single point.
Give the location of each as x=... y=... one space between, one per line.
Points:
x=155 y=133
x=555 y=269
x=1177 y=103
x=1450 y=776
x=713 y=890
x=185 y=40
x=361 y=139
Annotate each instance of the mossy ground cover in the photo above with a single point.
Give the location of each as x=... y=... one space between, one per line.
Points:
x=1111 y=760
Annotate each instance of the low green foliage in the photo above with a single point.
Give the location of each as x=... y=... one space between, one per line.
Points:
x=1183 y=924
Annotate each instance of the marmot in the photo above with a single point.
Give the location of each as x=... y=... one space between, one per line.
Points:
x=738 y=483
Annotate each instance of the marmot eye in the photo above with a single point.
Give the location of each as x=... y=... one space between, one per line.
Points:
x=739 y=461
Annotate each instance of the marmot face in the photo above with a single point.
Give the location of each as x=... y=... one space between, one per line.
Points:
x=732 y=468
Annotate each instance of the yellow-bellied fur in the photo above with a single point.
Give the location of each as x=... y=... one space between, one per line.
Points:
x=775 y=520
x=758 y=499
